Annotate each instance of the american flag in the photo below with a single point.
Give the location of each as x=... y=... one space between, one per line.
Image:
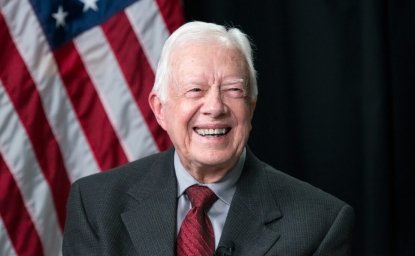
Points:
x=74 y=81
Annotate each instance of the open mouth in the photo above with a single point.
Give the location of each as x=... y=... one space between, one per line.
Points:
x=212 y=132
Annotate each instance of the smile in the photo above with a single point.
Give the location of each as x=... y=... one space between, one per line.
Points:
x=212 y=132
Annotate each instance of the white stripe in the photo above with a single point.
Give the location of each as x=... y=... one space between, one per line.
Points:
x=6 y=247
x=115 y=95
x=31 y=43
x=149 y=27
x=19 y=156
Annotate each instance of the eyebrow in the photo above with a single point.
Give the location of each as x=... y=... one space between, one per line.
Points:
x=234 y=81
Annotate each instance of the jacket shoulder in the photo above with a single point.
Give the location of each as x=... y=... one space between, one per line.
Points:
x=127 y=173
x=294 y=195
x=113 y=188
x=314 y=218
x=287 y=186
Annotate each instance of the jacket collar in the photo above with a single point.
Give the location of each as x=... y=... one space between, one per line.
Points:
x=251 y=220
x=151 y=222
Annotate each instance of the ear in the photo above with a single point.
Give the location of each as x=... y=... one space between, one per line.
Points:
x=158 y=109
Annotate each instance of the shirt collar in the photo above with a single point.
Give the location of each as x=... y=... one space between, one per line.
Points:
x=224 y=189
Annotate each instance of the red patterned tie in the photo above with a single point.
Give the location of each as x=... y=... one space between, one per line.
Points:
x=196 y=235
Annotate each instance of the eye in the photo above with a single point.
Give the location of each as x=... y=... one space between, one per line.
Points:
x=234 y=92
x=194 y=92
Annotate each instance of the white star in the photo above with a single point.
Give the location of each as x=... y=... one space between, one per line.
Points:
x=90 y=4
x=60 y=16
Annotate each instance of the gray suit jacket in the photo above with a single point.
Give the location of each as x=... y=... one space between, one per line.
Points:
x=131 y=210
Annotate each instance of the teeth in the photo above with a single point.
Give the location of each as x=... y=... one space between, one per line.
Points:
x=211 y=132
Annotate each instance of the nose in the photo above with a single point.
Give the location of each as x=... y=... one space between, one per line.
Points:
x=213 y=104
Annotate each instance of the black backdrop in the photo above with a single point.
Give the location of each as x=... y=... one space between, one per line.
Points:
x=336 y=102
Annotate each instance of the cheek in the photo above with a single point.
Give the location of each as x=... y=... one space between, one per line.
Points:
x=244 y=115
x=244 y=122
x=180 y=116
x=188 y=109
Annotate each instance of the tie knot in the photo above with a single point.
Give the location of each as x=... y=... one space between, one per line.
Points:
x=201 y=196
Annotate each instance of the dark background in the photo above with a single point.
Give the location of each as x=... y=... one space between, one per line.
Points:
x=336 y=101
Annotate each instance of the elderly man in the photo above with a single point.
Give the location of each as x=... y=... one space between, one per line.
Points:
x=209 y=195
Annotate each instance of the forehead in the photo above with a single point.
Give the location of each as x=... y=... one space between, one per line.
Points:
x=210 y=56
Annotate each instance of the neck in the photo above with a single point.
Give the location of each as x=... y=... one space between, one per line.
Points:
x=209 y=174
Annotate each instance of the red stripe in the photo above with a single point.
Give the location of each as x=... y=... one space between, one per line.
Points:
x=172 y=12
x=88 y=107
x=26 y=100
x=16 y=219
x=136 y=69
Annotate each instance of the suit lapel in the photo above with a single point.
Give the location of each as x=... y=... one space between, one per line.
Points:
x=251 y=220
x=153 y=230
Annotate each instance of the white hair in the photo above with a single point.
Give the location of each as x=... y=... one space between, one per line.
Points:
x=197 y=31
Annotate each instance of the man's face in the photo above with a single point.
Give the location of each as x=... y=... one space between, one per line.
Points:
x=208 y=109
